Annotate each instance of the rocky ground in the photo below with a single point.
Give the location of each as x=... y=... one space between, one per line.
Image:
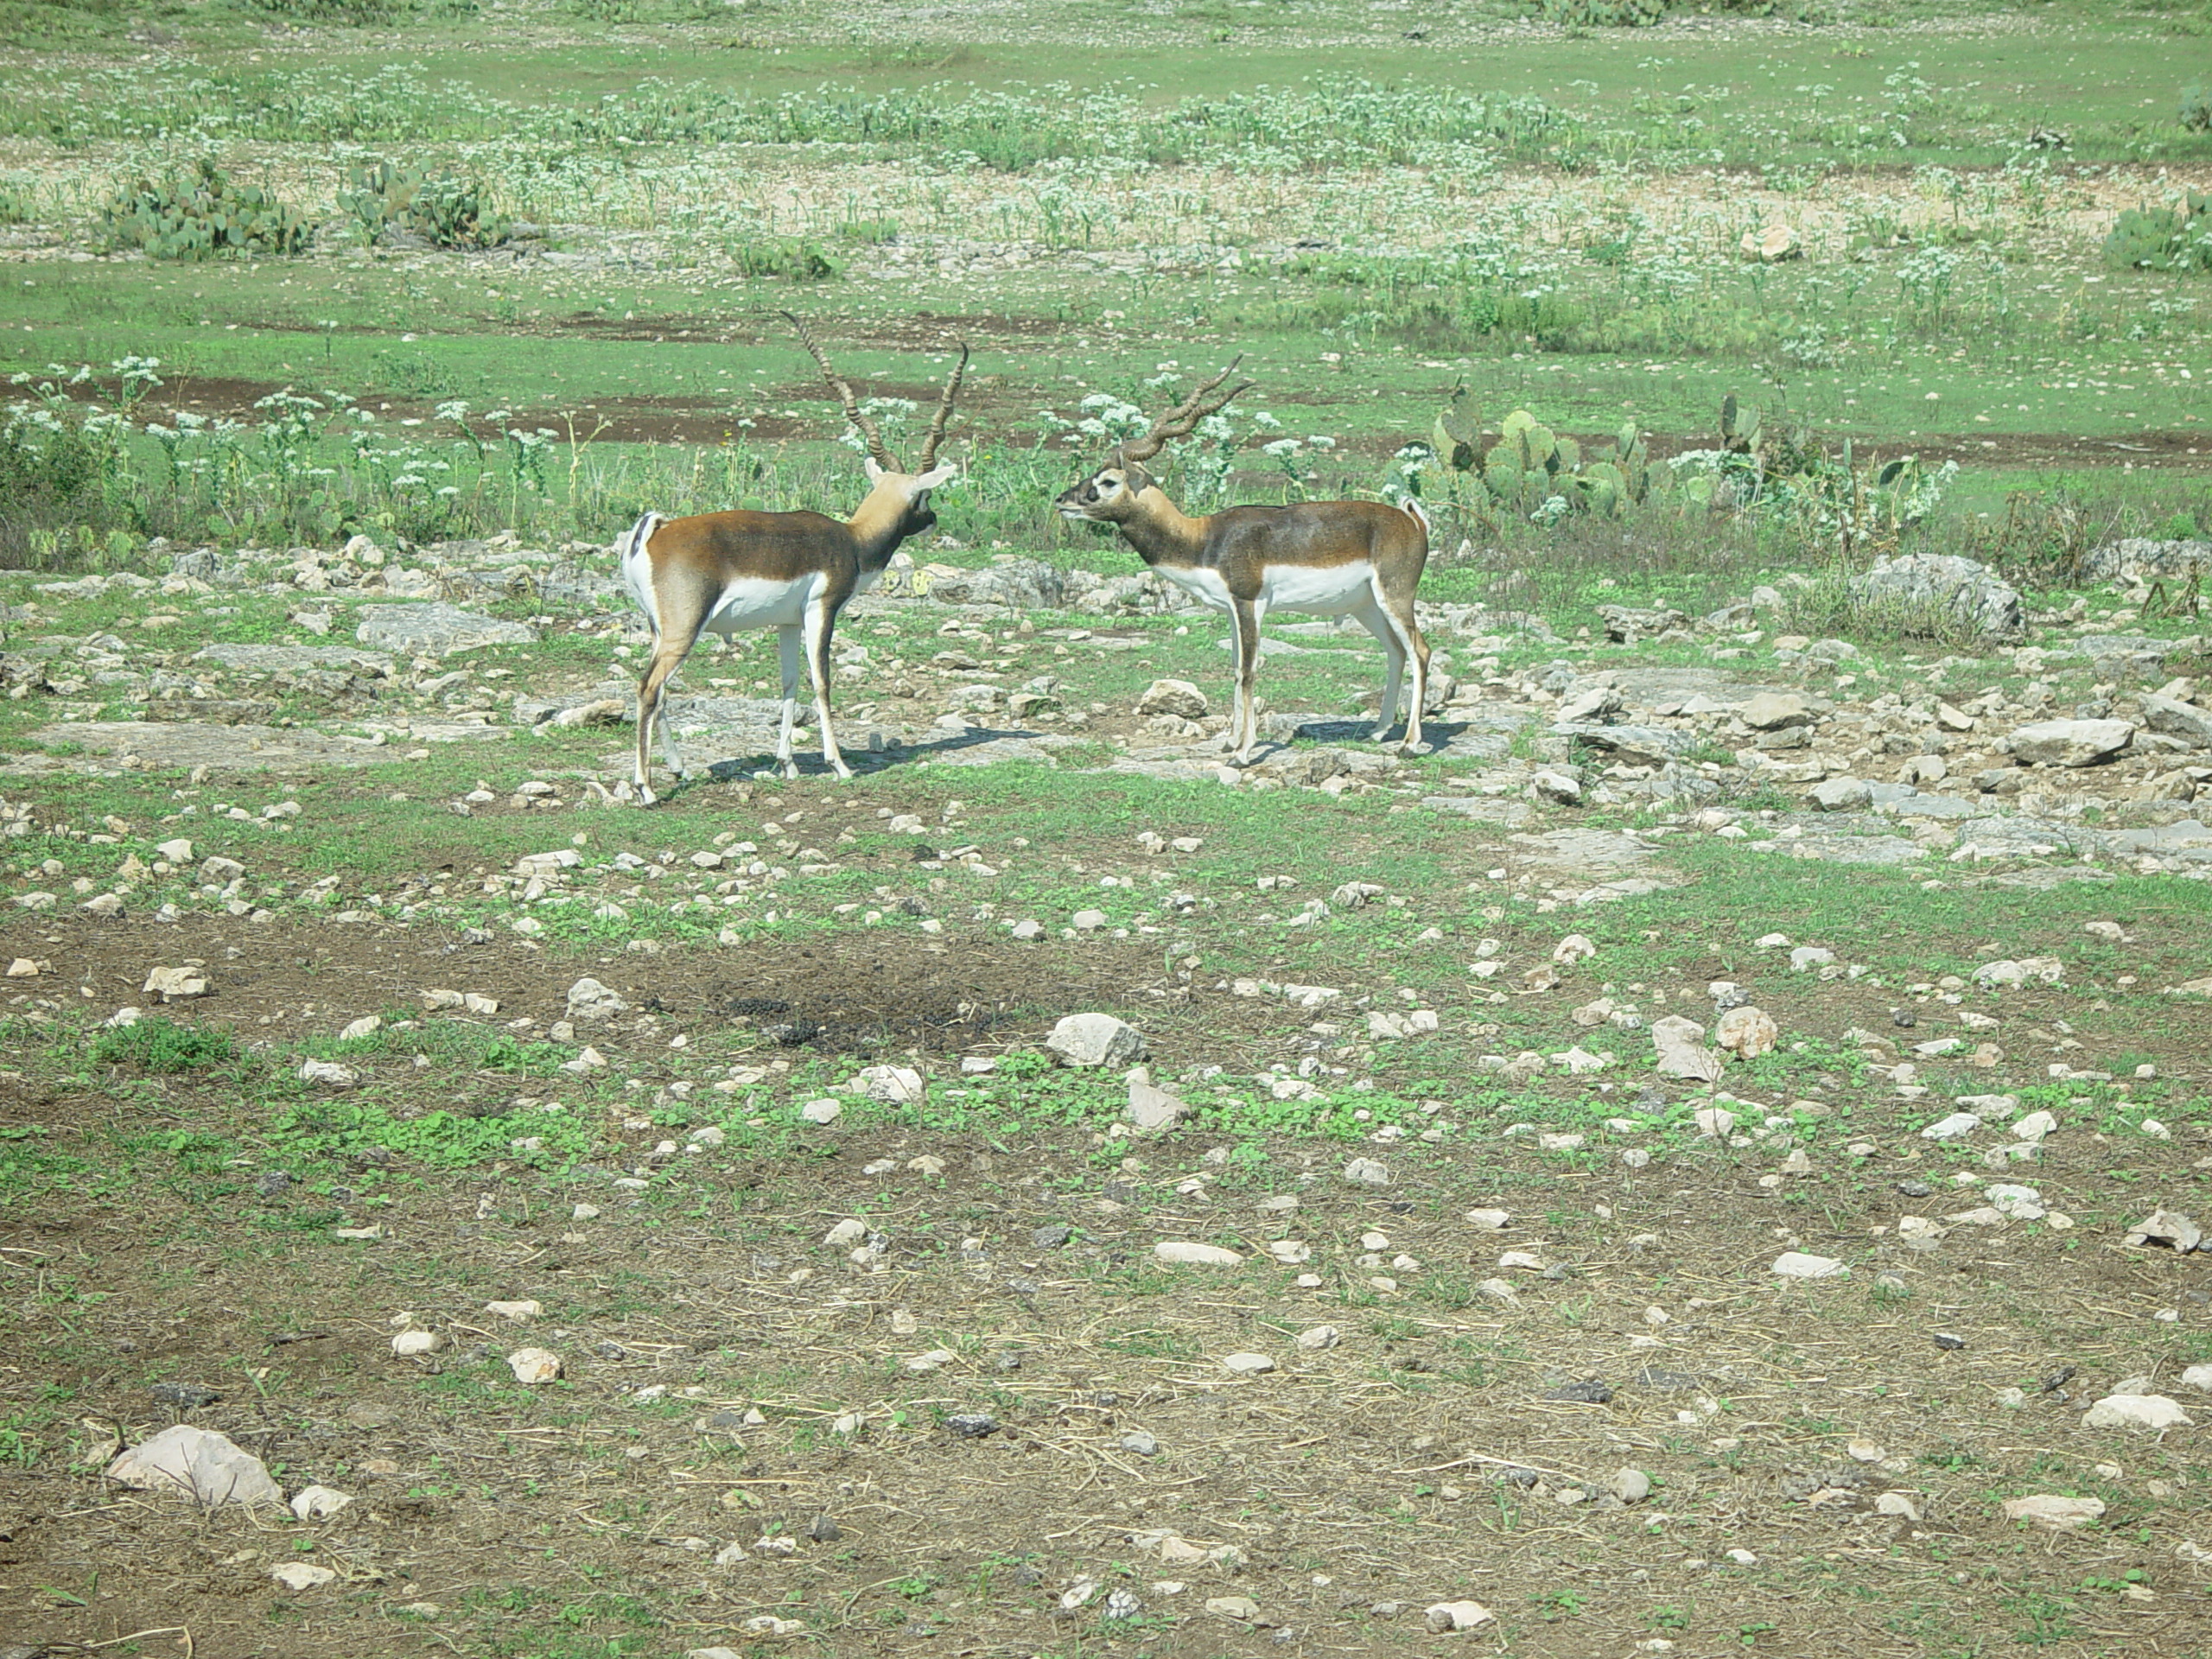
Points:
x=1701 y=1160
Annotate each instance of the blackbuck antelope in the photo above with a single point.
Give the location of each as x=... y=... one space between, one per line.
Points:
x=1360 y=559
x=794 y=572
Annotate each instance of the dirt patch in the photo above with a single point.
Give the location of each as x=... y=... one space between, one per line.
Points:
x=676 y=420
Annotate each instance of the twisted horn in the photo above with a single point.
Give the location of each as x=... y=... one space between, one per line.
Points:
x=943 y=410
x=867 y=429
x=1182 y=420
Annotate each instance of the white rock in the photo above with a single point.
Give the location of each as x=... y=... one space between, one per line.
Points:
x=594 y=1003
x=845 y=1234
x=301 y=1575
x=1572 y=949
x=2152 y=1411
x=518 y=1312
x=532 y=1366
x=727 y=1556
x=174 y=984
x=1151 y=1109
x=1489 y=1221
x=2054 y=1513
x=319 y=1503
x=1447 y=1616
x=1247 y=1364
x=1367 y=1172
x=407 y=1343
x=1314 y=1338
x=2168 y=1227
x=1796 y=1264
x=177 y=852
x=1956 y=1126
x=1680 y=1051
x=2048 y=969
x=1094 y=1039
x=329 y=1074
x=2198 y=1378
x=1087 y=921
x=821 y=1111
x=1178 y=697
x=2070 y=742
x=935 y=1359
x=892 y=1084
x=1631 y=1486
x=367 y=1026
x=198 y=1464
x=1746 y=1033
x=1189 y=1254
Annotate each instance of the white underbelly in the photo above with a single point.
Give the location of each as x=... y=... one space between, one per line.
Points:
x=1204 y=585
x=756 y=602
x=1330 y=589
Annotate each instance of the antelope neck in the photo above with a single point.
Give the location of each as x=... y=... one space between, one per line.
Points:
x=1161 y=533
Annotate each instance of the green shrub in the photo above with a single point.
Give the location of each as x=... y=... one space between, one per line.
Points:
x=794 y=258
x=159 y=1044
x=203 y=218
x=445 y=210
x=353 y=14
x=2196 y=113
x=1605 y=14
x=1528 y=470
x=2163 y=238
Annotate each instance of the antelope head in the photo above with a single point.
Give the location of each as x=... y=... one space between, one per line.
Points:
x=892 y=490
x=1109 y=495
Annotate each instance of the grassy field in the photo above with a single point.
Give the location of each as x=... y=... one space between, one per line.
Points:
x=866 y=1343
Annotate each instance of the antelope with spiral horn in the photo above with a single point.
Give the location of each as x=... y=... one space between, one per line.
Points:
x=794 y=572
x=1361 y=559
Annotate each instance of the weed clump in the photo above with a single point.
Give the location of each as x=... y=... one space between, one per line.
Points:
x=165 y=1048
x=203 y=218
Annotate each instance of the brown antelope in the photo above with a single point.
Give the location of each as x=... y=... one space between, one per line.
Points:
x=794 y=572
x=1360 y=559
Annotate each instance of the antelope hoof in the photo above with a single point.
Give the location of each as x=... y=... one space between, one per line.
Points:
x=645 y=796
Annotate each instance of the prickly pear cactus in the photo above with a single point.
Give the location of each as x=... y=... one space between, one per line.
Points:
x=1527 y=464
x=203 y=218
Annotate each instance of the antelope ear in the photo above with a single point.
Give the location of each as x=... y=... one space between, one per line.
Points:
x=936 y=476
x=868 y=466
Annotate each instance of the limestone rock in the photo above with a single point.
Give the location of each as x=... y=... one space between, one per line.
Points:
x=1151 y=1109
x=2151 y=1411
x=1177 y=697
x=1188 y=1254
x=2070 y=742
x=2168 y=1227
x=1681 y=1050
x=1448 y=1616
x=1945 y=585
x=594 y=1002
x=435 y=630
x=2174 y=718
x=533 y=1366
x=198 y=1464
x=319 y=1503
x=174 y=984
x=2054 y=1513
x=1775 y=711
x=1796 y=1264
x=1841 y=795
x=1094 y=1039
x=1747 y=1032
